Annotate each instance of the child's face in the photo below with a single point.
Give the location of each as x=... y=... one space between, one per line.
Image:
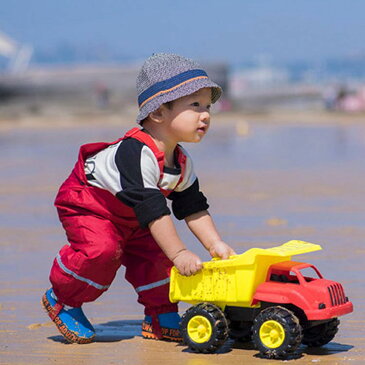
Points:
x=189 y=118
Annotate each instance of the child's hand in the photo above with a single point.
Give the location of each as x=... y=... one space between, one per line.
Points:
x=187 y=262
x=221 y=249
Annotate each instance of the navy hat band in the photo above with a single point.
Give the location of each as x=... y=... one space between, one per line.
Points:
x=170 y=84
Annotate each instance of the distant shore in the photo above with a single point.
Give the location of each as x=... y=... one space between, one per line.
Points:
x=125 y=117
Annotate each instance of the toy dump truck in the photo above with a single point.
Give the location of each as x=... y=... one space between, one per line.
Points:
x=260 y=295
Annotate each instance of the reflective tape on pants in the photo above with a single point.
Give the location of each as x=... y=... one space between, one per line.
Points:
x=152 y=285
x=78 y=277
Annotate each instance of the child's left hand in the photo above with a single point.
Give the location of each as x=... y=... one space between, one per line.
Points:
x=221 y=249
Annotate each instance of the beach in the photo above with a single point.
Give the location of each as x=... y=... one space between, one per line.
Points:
x=270 y=177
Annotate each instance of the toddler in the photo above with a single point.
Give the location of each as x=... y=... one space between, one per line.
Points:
x=114 y=211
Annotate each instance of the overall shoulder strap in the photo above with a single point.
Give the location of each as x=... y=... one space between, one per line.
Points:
x=143 y=137
x=92 y=148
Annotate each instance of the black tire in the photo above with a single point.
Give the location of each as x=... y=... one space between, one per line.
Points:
x=320 y=335
x=281 y=332
x=209 y=315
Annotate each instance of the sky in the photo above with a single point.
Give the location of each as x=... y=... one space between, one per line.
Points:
x=233 y=31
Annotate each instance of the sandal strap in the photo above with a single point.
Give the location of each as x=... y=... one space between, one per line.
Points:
x=56 y=309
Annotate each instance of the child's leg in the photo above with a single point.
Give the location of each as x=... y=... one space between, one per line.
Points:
x=81 y=272
x=148 y=270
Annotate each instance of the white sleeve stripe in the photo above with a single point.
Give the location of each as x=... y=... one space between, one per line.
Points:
x=149 y=168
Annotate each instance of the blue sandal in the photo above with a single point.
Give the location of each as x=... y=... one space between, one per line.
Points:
x=164 y=326
x=72 y=323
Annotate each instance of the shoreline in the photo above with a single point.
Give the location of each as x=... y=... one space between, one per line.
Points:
x=126 y=117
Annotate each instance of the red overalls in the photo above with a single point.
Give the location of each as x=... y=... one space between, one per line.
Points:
x=103 y=234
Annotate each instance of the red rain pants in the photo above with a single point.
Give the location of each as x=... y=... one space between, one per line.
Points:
x=104 y=234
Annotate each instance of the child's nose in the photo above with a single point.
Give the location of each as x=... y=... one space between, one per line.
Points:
x=205 y=116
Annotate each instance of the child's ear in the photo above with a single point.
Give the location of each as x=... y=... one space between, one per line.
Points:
x=158 y=116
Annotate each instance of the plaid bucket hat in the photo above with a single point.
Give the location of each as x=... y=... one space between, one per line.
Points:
x=165 y=77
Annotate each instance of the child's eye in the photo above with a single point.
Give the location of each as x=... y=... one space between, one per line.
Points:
x=197 y=104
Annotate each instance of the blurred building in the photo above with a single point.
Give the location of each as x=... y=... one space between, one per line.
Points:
x=84 y=88
x=261 y=77
x=264 y=86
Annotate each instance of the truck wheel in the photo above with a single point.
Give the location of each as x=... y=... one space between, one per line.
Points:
x=276 y=332
x=320 y=335
x=204 y=328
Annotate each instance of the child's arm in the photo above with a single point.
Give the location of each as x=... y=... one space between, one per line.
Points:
x=164 y=232
x=202 y=225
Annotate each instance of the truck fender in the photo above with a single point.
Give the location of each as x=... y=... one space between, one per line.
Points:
x=283 y=294
x=270 y=298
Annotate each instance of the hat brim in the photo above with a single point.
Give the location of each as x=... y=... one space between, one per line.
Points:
x=183 y=90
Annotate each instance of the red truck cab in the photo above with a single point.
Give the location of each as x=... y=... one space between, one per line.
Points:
x=302 y=285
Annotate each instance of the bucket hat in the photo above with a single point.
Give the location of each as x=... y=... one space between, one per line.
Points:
x=165 y=77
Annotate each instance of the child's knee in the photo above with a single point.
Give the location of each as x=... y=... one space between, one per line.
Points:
x=105 y=255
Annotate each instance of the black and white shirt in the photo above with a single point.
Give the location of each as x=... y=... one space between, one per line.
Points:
x=129 y=170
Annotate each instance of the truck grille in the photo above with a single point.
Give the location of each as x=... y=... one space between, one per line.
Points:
x=337 y=294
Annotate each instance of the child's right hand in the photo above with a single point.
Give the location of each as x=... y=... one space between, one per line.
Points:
x=187 y=262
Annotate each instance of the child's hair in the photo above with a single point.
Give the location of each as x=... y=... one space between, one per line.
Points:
x=169 y=104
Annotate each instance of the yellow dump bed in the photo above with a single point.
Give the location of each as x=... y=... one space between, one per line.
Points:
x=233 y=281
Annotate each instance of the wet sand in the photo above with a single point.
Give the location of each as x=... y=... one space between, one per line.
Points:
x=279 y=178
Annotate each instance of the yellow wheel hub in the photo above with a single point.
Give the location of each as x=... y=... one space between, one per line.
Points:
x=272 y=334
x=199 y=329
